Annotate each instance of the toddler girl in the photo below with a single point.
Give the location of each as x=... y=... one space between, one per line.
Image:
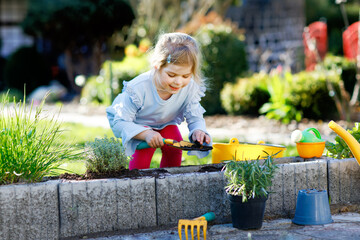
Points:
x=152 y=105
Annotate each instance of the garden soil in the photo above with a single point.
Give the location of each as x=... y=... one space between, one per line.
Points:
x=133 y=174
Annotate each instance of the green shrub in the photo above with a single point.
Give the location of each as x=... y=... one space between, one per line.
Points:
x=292 y=96
x=105 y=155
x=224 y=60
x=127 y=69
x=76 y=22
x=26 y=66
x=301 y=95
x=347 y=69
x=98 y=89
x=27 y=153
x=246 y=95
x=309 y=93
x=279 y=107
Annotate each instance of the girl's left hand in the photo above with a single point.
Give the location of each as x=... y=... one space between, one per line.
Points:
x=201 y=137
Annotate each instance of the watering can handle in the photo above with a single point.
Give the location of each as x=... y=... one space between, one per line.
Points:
x=315 y=131
x=234 y=141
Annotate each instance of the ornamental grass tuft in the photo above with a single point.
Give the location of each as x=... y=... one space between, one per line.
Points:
x=105 y=155
x=249 y=179
x=27 y=143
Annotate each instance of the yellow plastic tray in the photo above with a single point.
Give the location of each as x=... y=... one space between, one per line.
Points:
x=244 y=151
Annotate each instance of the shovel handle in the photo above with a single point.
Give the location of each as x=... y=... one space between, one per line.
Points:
x=144 y=144
x=209 y=216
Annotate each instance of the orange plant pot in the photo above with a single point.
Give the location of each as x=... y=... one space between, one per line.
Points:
x=310 y=150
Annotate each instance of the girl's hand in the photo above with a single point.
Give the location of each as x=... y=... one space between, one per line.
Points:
x=154 y=139
x=201 y=137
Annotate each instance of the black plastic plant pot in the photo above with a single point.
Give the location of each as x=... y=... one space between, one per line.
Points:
x=249 y=214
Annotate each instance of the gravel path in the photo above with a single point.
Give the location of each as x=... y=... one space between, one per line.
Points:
x=246 y=129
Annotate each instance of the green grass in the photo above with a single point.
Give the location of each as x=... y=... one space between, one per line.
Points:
x=78 y=167
x=30 y=147
x=79 y=134
x=291 y=151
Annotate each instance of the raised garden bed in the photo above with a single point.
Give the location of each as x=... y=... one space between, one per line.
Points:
x=71 y=208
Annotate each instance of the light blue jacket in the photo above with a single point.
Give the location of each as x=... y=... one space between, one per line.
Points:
x=139 y=106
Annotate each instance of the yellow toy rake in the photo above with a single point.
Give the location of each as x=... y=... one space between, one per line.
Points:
x=195 y=223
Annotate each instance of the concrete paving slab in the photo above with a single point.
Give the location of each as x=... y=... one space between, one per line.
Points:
x=345 y=226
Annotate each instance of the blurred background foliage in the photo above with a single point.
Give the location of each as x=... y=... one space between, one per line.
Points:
x=108 y=41
x=246 y=95
x=76 y=22
x=102 y=88
x=223 y=51
x=330 y=11
x=224 y=61
x=70 y=38
x=282 y=95
x=26 y=66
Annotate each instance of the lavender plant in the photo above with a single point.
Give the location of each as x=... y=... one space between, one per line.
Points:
x=105 y=155
x=27 y=143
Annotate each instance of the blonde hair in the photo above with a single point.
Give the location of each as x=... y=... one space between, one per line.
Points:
x=180 y=49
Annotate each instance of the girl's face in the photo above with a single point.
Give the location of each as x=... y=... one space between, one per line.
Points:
x=173 y=78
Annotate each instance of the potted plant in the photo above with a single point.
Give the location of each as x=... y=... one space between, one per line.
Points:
x=247 y=189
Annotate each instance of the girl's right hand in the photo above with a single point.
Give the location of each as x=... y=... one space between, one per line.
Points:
x=154 y=139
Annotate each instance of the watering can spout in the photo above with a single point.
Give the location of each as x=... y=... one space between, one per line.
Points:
x=348 y=138
x=305 y=136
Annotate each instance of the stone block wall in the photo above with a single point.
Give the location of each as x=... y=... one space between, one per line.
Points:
x=289 y=179
x=106 y=205
x=186 y=196
x=69 y=209
x=29 y=211
x=344 y=181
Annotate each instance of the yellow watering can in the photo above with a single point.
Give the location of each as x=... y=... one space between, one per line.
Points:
x=348 y=138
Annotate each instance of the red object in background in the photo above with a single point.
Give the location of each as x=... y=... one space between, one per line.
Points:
x=350 y=41
x=54 y=71
x=318 y=32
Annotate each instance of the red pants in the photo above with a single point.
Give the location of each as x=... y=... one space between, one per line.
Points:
x=171 y=157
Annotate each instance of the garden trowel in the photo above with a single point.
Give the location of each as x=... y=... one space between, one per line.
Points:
x=183 y=145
